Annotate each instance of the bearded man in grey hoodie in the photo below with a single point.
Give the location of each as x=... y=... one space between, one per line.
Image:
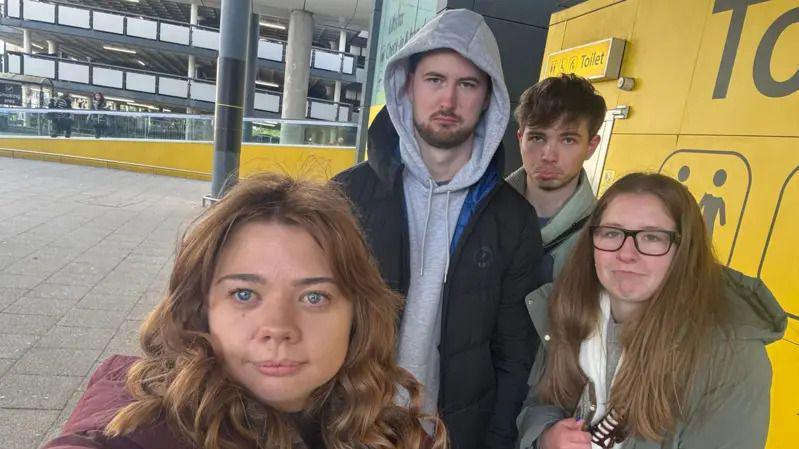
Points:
x=446 y=230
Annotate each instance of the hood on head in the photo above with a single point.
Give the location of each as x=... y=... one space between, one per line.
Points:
x=465 y=32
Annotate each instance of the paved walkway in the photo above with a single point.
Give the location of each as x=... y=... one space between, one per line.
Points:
x=84 y=255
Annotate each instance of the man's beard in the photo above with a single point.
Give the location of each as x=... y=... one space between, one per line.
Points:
x=445 y=138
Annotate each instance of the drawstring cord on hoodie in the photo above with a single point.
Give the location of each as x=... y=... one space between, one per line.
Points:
x=427 y=223
x=446 y=214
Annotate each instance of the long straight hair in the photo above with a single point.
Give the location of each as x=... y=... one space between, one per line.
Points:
x=180 y=379
x=664 y=342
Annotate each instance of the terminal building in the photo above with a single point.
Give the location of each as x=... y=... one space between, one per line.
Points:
x=161 y=55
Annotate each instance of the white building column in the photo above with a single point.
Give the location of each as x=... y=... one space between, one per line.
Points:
x=52 y=47
x=192 y=66
x=26 y=91
x=342 y=47
x=26 y=40
x=297 y=74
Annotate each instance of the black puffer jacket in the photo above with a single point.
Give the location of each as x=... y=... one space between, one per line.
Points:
x=486 y=335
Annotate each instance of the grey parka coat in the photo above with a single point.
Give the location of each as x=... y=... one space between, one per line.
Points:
x=732 y=413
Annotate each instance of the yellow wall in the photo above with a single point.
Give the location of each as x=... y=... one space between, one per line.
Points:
x=185 y=159
x=674 y=49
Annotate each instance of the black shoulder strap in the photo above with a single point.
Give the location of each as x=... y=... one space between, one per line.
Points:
x=576 y=226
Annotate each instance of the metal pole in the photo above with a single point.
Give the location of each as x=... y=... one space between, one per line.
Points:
x=251 y=73
x=366 y=92
x=229 y=94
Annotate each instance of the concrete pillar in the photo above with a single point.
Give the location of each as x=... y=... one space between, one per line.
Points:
x=26 y=91
x=342 y=47
x=26 y=40
x=52 y=47
x=194 y=10
x=192 y=71
x=298 y=71
x=192 y=74
x=251 y=73
x=229 y=107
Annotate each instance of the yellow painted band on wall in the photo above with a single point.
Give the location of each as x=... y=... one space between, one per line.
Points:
x=182 y=159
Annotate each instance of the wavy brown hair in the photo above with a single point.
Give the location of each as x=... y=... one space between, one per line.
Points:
x=181 y=380
x=662 y=345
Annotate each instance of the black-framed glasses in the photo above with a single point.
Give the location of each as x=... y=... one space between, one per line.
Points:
x=650 y=242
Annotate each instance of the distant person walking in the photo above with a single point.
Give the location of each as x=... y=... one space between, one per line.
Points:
x=55 y=126
x=100 y=121
x=64 y=101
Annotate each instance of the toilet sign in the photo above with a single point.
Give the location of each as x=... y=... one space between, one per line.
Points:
x=597 y=61
x=720 y=181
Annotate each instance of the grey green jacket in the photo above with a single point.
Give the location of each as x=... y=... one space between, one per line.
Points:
x=734 y=412
x=560 y=232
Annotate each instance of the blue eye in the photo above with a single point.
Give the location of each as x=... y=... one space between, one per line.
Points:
x=315 y=298
x=243 y=295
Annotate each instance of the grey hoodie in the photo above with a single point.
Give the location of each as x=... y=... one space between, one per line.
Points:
x=433 y=209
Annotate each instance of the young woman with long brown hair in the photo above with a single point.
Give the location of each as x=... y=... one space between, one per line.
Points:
x=277 y=331
x=647 y=341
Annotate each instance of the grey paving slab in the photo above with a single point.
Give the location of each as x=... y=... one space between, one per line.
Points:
x=57 y=361
x=92 y=271
x=104 y=258
x=24 y=429
x=54 y=250
x=40 y=268
x=59 y=291
x=153 y=295
x=58 y=423
x=40 y=306
x=32 y=391
x=6 y=260
x=25 y=324
x=118 y=286
x=93 y=245
x=140 y=311
x=9 y=296
x=104 y=319
x=18 y=248
x=126 y=341
x=14 y=346
x=5 y=364
x=12 y=280
x=114 y=298
x=76 y=338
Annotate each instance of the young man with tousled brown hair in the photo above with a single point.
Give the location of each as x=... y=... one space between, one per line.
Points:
x=558 y=119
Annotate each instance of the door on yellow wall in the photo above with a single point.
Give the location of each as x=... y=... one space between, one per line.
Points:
x=595 y=165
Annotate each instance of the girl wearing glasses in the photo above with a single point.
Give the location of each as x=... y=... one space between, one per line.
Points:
x=646 y=340
x=276 y=332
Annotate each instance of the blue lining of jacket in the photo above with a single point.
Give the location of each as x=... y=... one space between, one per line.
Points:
x=477 y=192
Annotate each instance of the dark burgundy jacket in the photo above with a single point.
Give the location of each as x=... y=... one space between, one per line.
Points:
x=104 y=397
